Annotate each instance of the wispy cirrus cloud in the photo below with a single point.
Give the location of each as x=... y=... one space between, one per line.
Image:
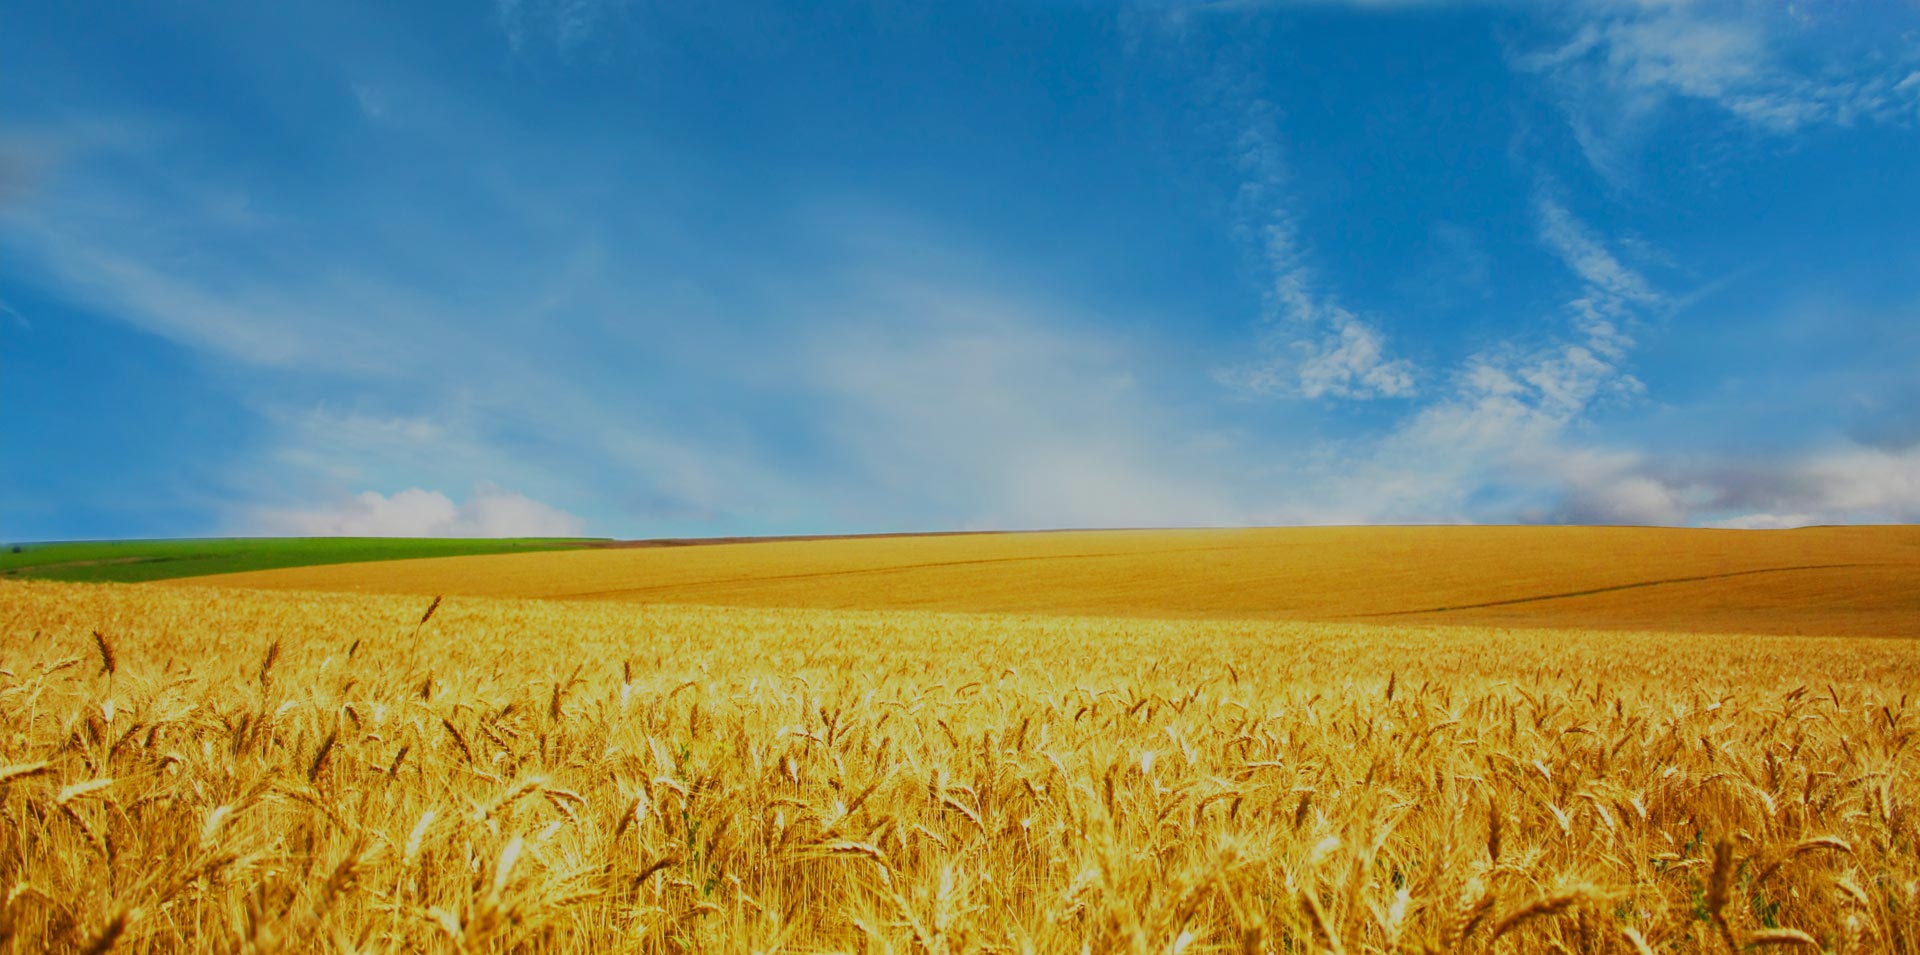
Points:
x=1490 y=436
x=377 y=389
x=1526 y=393
x=568 y=25
x=1776 y=68
x=1312 y=346
x=421 y=282
x=1309 y=345
x=1516 y=416
x=1010 y=411
x=1501 y=438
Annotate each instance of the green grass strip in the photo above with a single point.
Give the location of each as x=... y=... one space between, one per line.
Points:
x=131 y=561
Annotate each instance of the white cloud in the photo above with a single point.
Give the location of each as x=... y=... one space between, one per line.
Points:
x=1613 y=487
x=567 y=24
x=1312 y=347
x=1616 y=285
x=1634 y=500
x=356 y=447
x=357 y=429
x=1765 y=64
x=1843 y=484
x=1349 y=361
x=1493 y=439
x=490 y=511
x=373 y=100
x=944 y=401
x=1846 y=484
x=157 y=300
x=194 y=264
x=940 y=404
x=1502 y=437
x=1513 y=399
x=1498 y=443
x=326 y=340
x=1344 y=359
x=1764 y=522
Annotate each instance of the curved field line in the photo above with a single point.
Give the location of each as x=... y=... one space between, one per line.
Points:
x=1616 y=587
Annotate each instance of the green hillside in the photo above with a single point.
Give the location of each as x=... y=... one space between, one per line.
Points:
x=137 y=560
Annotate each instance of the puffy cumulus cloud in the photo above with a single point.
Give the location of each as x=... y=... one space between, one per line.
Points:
x=1613 y=487
x=490 y=511
x=1843 y=485
x=1634 y=499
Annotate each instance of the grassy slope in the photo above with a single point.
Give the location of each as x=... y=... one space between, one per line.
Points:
x=142 y=560
x=1842 y=581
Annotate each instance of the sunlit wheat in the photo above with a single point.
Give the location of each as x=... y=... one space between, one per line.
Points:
x=287 y=772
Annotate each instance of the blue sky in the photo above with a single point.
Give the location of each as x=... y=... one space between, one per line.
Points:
x=635 y=269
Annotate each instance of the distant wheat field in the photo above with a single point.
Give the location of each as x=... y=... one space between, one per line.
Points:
x=207 y=769
x=1859 y=581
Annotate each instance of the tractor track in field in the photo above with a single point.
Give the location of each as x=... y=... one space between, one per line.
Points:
x=1637 y=585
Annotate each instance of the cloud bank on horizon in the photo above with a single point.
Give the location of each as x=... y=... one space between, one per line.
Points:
x=629 y=269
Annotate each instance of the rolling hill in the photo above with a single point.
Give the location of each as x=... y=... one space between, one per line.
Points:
x=1857 y=581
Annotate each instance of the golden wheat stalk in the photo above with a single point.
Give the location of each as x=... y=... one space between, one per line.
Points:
x=1782 y=938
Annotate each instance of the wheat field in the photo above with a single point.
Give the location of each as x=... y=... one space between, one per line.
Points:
x=203 y=769
x=1862 y=581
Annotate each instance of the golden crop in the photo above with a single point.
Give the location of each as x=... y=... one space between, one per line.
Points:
x=241 y=771
x=1858 y=581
